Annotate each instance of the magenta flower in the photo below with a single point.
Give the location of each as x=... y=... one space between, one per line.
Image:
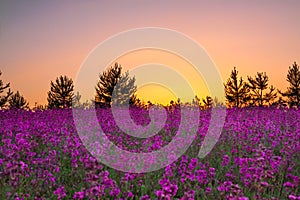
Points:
x=78 y=195
x=60 y=192
x=225 y=161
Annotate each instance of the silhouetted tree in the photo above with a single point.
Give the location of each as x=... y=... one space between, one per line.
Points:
x=4 y=98
x=124 y=90
x=39 y=107
x=17 y=101
x=171 y=107
x=208 y=101
x=257 y=86
x=217 y=103
x=270 y=96
x=135 y=101
x=196 y=101
x=236 y=90
x=149 y=103
x=293 y=91
x=108 y=80
x=279 y=103
x=76 y=100
x=108 y=83
x=178 y=101
x=61 y=93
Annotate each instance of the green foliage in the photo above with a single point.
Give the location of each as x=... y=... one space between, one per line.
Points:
x=61 y=93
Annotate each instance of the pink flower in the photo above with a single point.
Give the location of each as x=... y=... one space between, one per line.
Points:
x=293 y=197
x=288 y=185
x=145 y=197
x=78 y=195
x=60 y=192
x=208 y=190
x=225 y=161
x=264 y=184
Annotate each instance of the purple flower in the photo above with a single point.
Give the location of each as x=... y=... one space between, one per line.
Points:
x=212 y=172
x=288 y=185
x=130 y=195
x=115 y=191
x=293 y=197
x=208 y=190
x=60 y=192
x=225 y=161
x=264 y=184
x=145 y=197
x=243 y=198
x=78 y=195
x=193 y=163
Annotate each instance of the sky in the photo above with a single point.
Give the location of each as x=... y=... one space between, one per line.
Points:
x=41 y=40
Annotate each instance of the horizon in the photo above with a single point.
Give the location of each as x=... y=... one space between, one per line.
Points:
x=43 y=40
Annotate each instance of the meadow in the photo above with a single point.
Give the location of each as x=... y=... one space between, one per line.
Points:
x=256 y=157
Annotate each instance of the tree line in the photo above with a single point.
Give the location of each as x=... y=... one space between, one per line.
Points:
x=257 y=92
x=253 y=91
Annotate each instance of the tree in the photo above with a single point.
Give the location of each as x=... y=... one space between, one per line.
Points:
x=39 y=107
x=208 y=101
x=236 y=90
x=61 y=93
x=111 y=81
x=279 y=103
x=196 y=101
x=105 y=86
x=271 y=96
x=217 y=103
x=124 y=90
x=293 y=91
x=17 y=101
x=135 y=101
x=76 y=100
x=257 y=86
x=4 y=98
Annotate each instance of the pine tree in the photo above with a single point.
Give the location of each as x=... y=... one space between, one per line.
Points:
x=105 y=86
x=257 y=86
x=17 y=101
x=270 y=97
x=124 y=90
x=108 y=84
x=293 y=91
x=135 y=101
x=61 y=93
x=4 y=98
x=236 y=90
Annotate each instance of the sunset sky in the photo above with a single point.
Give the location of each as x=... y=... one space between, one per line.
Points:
x=41 y=40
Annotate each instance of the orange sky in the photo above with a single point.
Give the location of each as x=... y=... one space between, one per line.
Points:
x=164 y=94
x=41 y=40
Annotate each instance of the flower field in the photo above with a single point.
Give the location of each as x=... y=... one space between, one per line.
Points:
x=256 y=157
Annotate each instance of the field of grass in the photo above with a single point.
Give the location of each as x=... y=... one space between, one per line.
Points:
x=256 y=157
